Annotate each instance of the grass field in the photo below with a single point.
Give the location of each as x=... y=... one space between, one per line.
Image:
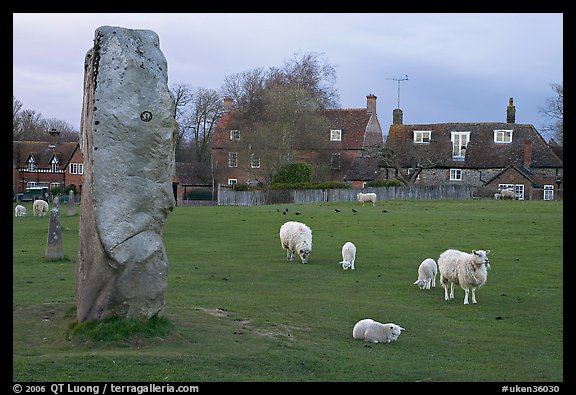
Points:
x=241 y=312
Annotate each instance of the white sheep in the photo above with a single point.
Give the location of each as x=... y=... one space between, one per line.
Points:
x=40 y=207
x=469 y=270
x=427 y=274
x=366 y=197
x=376 y=332
x=348 y=255
x=20 y=211
x=296 y=238
x=497 y=196
x=507 y=194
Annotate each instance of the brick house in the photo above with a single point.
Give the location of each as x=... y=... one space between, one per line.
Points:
x=489 y=155
x=46 y=163
x=350 y=131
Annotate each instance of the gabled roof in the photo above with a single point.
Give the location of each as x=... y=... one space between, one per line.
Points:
x=481 y=151
x=520 y=169
x=42 y=152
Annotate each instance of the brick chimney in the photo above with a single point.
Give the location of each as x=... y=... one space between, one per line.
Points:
x=397 y=117
x=511 y=112
x=371 y=104
x=527 y=153
x=228 y=102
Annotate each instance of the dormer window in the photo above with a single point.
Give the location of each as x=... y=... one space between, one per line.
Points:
x=459 y=144
x=54 y=164
x=234 y=134
x=503 y=136
x=422 y=136
x=31 y=163
x=336 y=135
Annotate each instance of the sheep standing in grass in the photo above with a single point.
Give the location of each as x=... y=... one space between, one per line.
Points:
x=469 y=270
x=376 y=332
x=427 y=274
x=366 y=197
x=20 y=211
x=296 y=238
x=348 y=255
x=40 y=207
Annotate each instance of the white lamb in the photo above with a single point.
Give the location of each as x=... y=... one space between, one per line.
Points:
x=469 y=270
x=296 y=238
x=427 y=274
x=20 y=211
x=376 y=332
x=40 y=207
x=366 y=197
x=348 y=256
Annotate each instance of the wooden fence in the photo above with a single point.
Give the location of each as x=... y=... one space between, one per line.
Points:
x=227 y=197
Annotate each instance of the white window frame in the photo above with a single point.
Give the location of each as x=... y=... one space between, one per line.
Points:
x=548 y=192
x=31 y=164
x=503 y=136
x=54 y=185
x=459 y=146
x=335 y=134
x=232 y=181
x=456 y=175
x=422 y=136
x=255 y=161
x=73 y=168
x=232 y=159
x=54 y=164
x=80 y=168
x=234 y=134
x=517 y=188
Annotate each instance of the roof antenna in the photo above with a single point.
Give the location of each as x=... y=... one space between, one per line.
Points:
x=399 y=80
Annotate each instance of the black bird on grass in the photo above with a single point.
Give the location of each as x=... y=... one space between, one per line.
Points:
x=297 y=213
x=384 y=211
x=354 y=211
x=336 y=210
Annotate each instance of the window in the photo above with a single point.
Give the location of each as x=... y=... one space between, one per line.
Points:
x=232 y=181
x=459 y=143
x=517 y=188
x=254 y=161
x=80 y=168
x=455 y=174
x=234 y=134
x=73 y=168
x=31 y=164
x=548 y=192
x=336 y=135
x=232 y=159
x=54 y=185
x=503 y=136
x=335 y=161
x=422 y=136
x=54 y=165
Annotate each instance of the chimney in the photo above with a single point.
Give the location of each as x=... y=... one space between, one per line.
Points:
x=228 y=101
x=54 y=134
x=397 y=117
x=511 y=112
x=527 y=153
x=371 y=104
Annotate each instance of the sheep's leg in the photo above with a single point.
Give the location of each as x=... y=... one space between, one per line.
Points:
x=289 y=255
x=434 y=281
x=474 y=295
x=445 y=291
x=428 y=284
x=451 y=290
x=466 y=290
x=352 y=264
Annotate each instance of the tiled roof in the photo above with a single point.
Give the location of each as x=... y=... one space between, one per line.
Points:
x=482 y=151
x=42 y=151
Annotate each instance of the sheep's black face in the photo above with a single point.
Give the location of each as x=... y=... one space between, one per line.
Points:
x=304 y=254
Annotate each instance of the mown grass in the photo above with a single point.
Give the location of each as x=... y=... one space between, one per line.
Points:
x=236 y=310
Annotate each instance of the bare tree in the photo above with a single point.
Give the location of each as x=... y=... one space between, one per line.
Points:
x=553 y=110
x=29 y=125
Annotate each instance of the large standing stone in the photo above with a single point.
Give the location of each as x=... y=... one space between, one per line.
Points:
x=54 y=248
x=128 y=140
x=71 y=211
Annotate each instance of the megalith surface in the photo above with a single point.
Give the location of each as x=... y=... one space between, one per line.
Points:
x=127 y=137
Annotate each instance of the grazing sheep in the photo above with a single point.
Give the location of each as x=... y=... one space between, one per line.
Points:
x=469 y=270
x=366 y=197
x=20 y=211
x=40 y=207
x=348 y=255
x=296 y=238
x=376 y=332
x=507 y=194
x=427 y=274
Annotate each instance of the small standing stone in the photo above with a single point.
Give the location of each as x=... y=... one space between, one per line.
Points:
x=54 y=243
x=71 y=204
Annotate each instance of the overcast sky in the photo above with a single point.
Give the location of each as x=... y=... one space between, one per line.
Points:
x=460 y=67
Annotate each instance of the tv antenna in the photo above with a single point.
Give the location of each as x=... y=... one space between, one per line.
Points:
x=399 y=80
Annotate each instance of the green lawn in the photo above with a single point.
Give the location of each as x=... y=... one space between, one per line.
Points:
x=241 y=312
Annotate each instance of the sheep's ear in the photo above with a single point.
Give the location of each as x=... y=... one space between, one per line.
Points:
x=402 y=329
x=487 y=252
x=416 y=282
x=475 y=252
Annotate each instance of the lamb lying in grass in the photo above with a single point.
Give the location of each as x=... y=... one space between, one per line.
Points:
x=376 y=332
